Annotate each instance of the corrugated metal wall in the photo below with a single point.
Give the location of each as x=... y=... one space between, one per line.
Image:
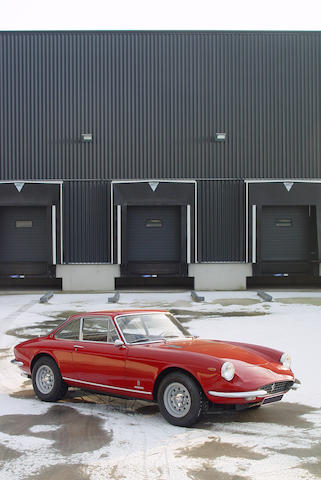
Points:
x=154 y=100
x=221 y=221
x=86 y=222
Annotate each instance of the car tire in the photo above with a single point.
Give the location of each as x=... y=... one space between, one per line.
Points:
x=47 y=381
x=181 y=400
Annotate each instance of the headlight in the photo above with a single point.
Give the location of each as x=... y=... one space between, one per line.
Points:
x=228 y=371
x=285 y=360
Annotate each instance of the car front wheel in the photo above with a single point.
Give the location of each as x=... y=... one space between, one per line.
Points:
x=47 y=381
x=181 y=400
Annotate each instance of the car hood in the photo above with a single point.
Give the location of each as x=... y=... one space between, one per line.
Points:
x=218 y=349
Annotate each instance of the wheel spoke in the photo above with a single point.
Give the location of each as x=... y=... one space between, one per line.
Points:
x=177 y=400
x=45 y=379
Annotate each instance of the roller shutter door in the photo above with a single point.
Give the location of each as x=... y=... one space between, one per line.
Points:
x=287 y=240
x=285 y=233
x=153 y=234
x=24 y=234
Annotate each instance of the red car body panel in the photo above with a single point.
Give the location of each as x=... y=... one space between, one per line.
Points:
x=133 y=369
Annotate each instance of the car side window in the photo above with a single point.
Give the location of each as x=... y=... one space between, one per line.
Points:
x=99 y=329
x=112 y=332
x=70 y=331
x=94 y=329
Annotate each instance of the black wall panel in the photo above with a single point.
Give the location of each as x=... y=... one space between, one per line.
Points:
x=86 y=222
x=153 y=102
x=221 y=221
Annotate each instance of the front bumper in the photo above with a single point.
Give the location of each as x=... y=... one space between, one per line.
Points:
x=20 y=364
x=16 y=362
x=253 y=394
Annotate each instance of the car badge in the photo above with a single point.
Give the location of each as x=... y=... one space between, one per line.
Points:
x=138 y=385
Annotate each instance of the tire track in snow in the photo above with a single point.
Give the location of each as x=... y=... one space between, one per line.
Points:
x=24 y=308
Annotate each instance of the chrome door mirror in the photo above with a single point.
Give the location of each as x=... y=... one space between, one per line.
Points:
x=118 y=343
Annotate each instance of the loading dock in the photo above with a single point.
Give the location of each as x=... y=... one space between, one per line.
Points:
x=288 y=241
x=154 y=232
x=30 y=233
x=283 y=238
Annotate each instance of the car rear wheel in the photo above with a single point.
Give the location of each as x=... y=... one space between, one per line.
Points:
x=47 y=381
x=181 y=400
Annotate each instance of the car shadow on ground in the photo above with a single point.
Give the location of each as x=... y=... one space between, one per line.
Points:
x=282 y=413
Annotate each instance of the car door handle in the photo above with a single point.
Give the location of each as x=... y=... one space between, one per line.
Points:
x=78 y=346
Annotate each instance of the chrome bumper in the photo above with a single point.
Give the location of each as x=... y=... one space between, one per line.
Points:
x=252 y=395
x=296 y=385
x=16 y=362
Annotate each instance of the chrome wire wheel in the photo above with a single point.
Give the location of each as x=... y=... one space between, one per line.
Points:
x=45 y=379
x=177 y=400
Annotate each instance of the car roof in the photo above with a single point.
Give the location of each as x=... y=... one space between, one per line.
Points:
x=110 y=313
x=114 y=313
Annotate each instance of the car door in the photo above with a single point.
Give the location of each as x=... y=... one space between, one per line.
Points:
x=63 y=349
x=97 y=361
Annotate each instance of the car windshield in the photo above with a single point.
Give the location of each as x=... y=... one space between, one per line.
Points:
x=147 y=327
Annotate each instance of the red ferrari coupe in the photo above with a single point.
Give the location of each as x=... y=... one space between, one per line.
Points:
x=149 y=355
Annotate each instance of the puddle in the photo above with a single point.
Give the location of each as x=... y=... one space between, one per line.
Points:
x=62 y=316
x=38 y=329
x=183 y=315
x=188 y=315
x=43 y=328
x=300 y=300
x=67 y=472
x=7 y=454
x=209 y=473
x=314 y=451
x=313 y=468
x=214 y=448
x=63 y=425
x=284 y=414
x=227 y=302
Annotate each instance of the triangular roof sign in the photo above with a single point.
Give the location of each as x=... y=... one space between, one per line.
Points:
x=153 y=185
x=288 y=185
x=19 y=185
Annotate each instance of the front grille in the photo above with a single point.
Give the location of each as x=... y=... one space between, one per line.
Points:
x=277 y=387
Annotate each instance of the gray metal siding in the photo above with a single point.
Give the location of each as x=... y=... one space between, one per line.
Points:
x=221 y=221
x=154 y=100
x=86 y=222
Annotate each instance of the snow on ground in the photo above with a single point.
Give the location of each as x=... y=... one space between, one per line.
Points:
x=123 y=439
